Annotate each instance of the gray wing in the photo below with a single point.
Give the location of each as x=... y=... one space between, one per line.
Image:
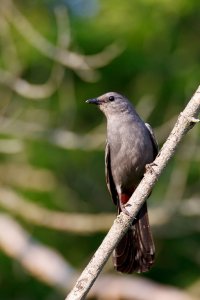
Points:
x=153 y=139
x=109 y=178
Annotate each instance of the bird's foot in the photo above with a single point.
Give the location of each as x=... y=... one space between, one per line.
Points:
x=149 y=167
x=124 y=207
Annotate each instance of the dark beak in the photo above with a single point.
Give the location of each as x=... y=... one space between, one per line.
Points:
x=93 y=101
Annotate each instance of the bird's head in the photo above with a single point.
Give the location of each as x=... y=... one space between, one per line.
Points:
x=111 y=103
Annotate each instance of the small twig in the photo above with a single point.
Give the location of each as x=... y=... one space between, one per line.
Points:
x=33 y=91
x=38 y=215
x=122 y=222
x=38 y=91
x=65 y=57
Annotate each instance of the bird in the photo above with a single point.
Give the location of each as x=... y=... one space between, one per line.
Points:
x=130 y=146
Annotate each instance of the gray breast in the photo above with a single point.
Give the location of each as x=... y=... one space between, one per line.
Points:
x=131 y=149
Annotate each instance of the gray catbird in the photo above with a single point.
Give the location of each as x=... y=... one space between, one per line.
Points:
x=130 y=146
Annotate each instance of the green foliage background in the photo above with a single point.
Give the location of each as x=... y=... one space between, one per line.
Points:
x=158 y=67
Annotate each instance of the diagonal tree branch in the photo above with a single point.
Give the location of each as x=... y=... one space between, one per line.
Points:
x=186 y=120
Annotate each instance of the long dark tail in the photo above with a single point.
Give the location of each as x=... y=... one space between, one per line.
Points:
x=136 y=251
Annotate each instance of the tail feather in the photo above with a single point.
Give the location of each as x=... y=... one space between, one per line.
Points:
x=135 y=252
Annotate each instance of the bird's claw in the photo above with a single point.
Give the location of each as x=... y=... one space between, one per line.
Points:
x=149 y=167
x=124 y=209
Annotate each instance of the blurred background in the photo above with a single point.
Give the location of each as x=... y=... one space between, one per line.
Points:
x=55 y=207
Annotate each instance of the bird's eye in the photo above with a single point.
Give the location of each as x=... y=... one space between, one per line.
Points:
x=111 y=98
